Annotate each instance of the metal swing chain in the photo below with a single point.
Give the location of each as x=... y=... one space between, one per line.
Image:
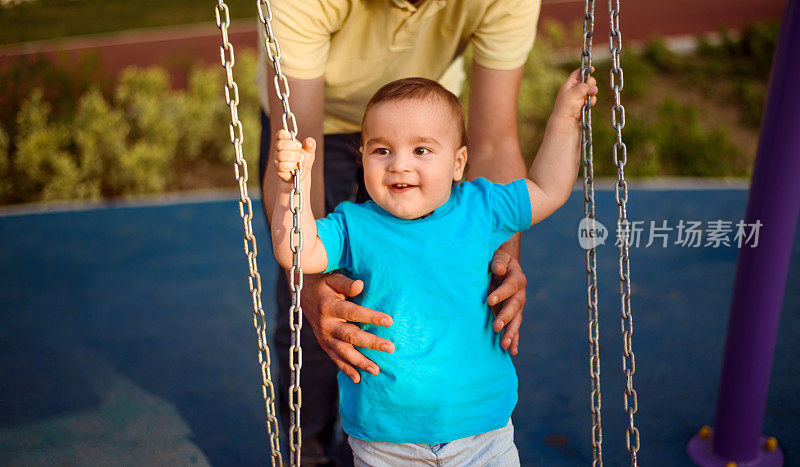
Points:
x=591 y=253
x=296 y=239
x=623 y=227
x=227 y=59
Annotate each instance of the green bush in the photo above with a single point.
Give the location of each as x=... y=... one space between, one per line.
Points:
x=99 y=133
x=69 y=135
x=659 y=56
x=753 y=52
x=145 y=98
x=745 y=63
x=688 y=148
x=61 y=80
x=199 y=109
x=146 y=138
x=541 y=81
x=44 y=168
x=249 y=112
x=5 y=165
x=750 y=96
x=643 y=152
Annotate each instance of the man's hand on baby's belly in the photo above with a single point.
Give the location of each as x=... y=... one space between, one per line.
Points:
x=325 y=307
x=508 y=298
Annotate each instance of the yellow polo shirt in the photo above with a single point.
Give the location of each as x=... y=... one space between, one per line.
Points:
x=360 y=45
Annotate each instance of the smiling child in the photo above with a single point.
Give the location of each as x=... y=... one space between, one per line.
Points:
x=423 y=244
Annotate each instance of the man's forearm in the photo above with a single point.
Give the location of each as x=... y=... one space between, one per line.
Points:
x=307 y=103
x=494 y=151
x=500 y=162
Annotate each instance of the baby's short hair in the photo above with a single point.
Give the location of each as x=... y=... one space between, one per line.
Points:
x=420 y=88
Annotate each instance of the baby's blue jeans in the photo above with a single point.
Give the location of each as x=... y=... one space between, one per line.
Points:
x=494 y=448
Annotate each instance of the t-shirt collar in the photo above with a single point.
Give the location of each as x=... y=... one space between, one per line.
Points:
x=437 y=213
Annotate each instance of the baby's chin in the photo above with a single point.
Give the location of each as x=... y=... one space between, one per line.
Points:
x=407 y=215
x=404 y=211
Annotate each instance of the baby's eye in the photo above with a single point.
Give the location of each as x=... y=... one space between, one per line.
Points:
x=421 y=151
x=382 y=151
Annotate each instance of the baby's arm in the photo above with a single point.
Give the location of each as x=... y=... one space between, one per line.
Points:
x=555 y=167
x=288 y=153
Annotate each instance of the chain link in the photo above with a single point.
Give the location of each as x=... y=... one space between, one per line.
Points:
x=281 y=85
x=630 y=400
x=227 y=59
x=296 y=272
x=587 y=155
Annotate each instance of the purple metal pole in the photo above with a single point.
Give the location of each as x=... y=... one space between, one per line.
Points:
x=774 y=200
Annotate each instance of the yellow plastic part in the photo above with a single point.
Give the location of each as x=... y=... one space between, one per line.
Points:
x=705 y=432
x=771 y=444
x=730 y=464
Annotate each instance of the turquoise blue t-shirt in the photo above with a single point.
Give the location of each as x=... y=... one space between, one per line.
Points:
x=448 y=377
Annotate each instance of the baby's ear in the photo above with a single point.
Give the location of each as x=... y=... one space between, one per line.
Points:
x=460 y=163
x=360 y=158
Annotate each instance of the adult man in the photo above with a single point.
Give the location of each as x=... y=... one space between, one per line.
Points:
x=336 y=54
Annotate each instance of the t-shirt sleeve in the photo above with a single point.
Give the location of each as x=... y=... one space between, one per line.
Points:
x=505 y=34
x=510 y=205
x=304 y=29
x=332 y=231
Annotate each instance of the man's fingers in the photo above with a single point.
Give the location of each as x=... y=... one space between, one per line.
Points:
x=345 y=367
x=347 y=358
x=350 y=311
x=500 y=262
x=336 y=336
x=351 y=334
x=514 y=348
x=511 y=331
x=344 y=285
x=358 y=314
x=514 y=282
x=512 y=307
x=507 y=312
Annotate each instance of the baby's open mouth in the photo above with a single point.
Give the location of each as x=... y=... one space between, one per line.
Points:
x=400 y=187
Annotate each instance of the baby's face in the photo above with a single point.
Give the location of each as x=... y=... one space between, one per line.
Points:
x=411 y=156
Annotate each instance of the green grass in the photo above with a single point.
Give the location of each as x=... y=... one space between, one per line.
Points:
x=49 y=19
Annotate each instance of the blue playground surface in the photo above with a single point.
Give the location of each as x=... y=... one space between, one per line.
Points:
x=126 y=335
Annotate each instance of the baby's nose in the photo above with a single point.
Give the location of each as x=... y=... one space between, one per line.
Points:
x=400 y=162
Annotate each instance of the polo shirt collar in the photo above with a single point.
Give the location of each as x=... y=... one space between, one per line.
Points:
x=405 y=5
